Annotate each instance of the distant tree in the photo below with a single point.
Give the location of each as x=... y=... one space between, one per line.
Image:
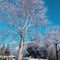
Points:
x=52 y=37
x=35 y=50
x=2 y=50
x=7 y=51
x=44 y=52
x=23 y=15
x=52 y=34
x=51 y=54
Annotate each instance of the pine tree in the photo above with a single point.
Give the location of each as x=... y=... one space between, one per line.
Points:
x=7 y=51
x=2 y=50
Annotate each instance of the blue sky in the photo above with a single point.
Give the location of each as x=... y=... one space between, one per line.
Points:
x=53 y=11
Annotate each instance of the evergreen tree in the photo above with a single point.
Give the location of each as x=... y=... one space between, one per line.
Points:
x=7 y=52
x=2 y=50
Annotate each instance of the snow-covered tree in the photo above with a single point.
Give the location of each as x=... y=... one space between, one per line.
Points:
x=52 y=37
x=25 y=16
x=52 y=34
x=34 y=49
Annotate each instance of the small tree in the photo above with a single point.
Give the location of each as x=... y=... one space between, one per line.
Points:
x=7 y=51
x=2 y=50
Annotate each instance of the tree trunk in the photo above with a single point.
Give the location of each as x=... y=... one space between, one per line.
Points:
x=21 y=46
x=20 y=50
x=56 y=51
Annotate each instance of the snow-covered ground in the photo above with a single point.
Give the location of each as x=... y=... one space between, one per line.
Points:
x=37 y=59
x=33 y=59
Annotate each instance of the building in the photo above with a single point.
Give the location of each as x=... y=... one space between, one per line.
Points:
x=7 y=57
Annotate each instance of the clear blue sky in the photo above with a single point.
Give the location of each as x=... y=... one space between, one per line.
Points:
x=54 y=11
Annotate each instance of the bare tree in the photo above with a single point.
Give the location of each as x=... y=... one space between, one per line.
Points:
x=53 y=34
x=52 y=40
x=23 y=15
